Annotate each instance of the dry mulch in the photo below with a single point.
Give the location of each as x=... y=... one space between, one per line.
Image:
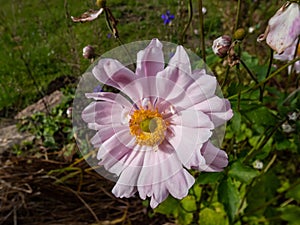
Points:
x=50 y=191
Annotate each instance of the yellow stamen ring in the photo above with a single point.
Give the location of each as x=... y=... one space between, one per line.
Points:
x=148 y=126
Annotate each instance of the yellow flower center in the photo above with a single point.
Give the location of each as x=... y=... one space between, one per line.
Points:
x=148 y=126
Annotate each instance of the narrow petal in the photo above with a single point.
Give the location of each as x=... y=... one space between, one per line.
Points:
x=124 y=191
x=110 y=97
x=104 y=134
x=150 y=60
x=179 y=68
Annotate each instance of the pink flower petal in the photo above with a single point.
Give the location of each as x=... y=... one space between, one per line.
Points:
x=116 y=153
x=110 y=97
x=179 y=68
x=123 y=191
x=105 y=133
x=186 y=141
x=155 y=175
x=218 y=109
x=283 y=28
x=150 y=60
x=191 y=118
x=111 y=72
x=103 y=113
x=215 y=158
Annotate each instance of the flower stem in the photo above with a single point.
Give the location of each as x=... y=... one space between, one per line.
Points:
x=201 y=30
x=266 y=79
x=237 y=16
x=253 y=78
x=190 y=10
x=267 y=75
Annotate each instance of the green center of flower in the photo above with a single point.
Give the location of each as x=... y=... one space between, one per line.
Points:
x=148 y=126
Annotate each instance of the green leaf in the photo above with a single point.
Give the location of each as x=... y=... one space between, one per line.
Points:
x=229 y=196
x=180 y=210
x=294 y=193
x=236 y=122
x=168 y=207
x=265 y=188
x=261 y=115
x=242 y=172
x=291 y=214
x=209 y=178
x=211 y=217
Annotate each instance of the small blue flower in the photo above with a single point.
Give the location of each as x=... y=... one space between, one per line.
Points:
x=98 y=88
x=109 y=35
x=168 y=17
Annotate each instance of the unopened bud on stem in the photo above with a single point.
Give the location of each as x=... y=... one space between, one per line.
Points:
x=221 y=45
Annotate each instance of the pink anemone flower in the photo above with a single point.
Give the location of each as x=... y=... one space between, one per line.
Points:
x=289 y=54
x=159 y=126
x=283 y=28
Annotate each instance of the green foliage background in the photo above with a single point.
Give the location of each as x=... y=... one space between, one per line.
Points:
x=39 y=43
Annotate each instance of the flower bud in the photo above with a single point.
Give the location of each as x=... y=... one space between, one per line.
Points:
x=239 y=34
x=88 y=52
x=221 y=45
x=101 y=3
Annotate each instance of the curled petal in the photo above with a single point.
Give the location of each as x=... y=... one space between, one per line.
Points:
x=215 y=158
x=88 y=16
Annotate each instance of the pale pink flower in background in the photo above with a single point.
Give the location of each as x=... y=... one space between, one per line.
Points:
x=289 y=54
x=88 y=16
x=158 y=126
x=283 y=28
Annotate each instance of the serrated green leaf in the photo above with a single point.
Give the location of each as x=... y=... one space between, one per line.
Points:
x=229 y=196
x=242 y=172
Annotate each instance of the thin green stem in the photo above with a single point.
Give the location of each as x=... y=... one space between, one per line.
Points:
x=249 y=71
x=190 y=10
x=262 y=142
x=201 y=30
x=239 y=87
x=266 y=79
x=267 y=75
x=236 y=26
x=253 y=78
x=226 y=76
